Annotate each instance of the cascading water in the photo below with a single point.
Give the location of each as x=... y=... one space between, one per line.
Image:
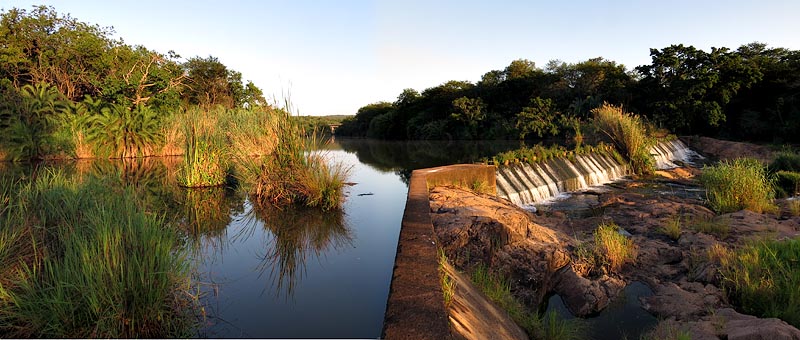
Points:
x=532 y=183
x=667 y=152
x=526 y=184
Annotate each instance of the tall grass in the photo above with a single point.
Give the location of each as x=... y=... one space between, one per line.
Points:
x=763 y=279
x=673 y=227
x=739 y=184
x=101 y=266
x=549 y=326
x=297 y=171
x=628 y=133
x=612 y=248
x=204 y=158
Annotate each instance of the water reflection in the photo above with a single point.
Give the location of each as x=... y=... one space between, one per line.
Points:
x=297 y=235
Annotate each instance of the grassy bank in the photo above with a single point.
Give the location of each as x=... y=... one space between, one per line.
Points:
x=83 y=260
x=738 y=184
x=763 y=279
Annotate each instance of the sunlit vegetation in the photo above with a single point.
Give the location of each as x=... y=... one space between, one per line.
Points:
x=762 y=278
x=540 y=153
x=673 y=227
x=747 y=93
x=786 y=167
x=549 y=326
x=85 y=260
x=628 y=133
x=738 y=184
x=613 y=249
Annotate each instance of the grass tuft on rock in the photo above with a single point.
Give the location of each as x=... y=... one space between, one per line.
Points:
x=739 y=184
x=612 y=248
x=628 y=132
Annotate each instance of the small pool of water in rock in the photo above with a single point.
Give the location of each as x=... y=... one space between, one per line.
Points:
x=624 y=318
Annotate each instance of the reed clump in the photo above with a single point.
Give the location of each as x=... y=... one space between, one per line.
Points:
x=296 y=171
x=89 y=261
x=762 y=278
x=204 y=158
x=628 y=132
x=739 y=184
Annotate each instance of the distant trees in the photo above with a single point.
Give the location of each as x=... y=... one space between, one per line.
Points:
x=748 y=93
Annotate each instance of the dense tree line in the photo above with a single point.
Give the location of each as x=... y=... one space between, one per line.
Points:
x=752 y=93
x=63 y=82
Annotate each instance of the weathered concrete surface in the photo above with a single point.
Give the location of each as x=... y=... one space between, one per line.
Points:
x=473 y=317
x=415 y=309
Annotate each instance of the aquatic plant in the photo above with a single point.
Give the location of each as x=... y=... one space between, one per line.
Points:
x=762 y=278
x=612 y=248
x=94 y=264
x=204 y=159
x=296 y=171
x=628 y=133
x=739 y=184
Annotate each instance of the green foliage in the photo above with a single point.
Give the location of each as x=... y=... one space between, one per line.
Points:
x=124 y=132
x=612 y=248
x=739 y=184
x=762 y=278
x=785 y=161
x=628 y=133
x=32 y=122
x=96 y=265
x=787 y=183
x=539 y=118
x=470 y=111
x=712 y=225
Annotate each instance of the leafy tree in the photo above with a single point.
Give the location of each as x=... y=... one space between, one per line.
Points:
x=31 y=124
x=539 y=118
x=689 y=88
x=520 y=68
x=470 y=111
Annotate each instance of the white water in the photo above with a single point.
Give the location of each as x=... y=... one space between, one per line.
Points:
x=528 y=184
x=666 y=153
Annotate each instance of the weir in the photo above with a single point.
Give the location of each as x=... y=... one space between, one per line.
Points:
x=525 y=183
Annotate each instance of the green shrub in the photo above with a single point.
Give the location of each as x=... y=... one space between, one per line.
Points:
x=740 y=184
x=628 y=133
x=786 y=161
x=763 y=279
x=788 y=183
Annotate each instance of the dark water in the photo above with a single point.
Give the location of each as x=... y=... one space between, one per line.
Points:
x=624 y=317
x=290 y=273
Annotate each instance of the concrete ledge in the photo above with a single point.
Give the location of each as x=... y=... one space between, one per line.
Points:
x=415 y=308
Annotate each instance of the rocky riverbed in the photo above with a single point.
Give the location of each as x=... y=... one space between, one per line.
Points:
x=543 y=253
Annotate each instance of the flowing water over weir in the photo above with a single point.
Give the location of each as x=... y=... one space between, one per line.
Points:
x=667 y=152
x=534 y=183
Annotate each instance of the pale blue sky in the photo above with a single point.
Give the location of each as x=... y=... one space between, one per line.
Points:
x=336 y=56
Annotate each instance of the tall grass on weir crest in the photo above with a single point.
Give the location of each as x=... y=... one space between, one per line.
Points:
x=739 y=184
x=100 y=266
x=629 y=133
x=763 y=279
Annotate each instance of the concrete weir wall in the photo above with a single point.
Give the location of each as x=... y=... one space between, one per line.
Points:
x=415 y=308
